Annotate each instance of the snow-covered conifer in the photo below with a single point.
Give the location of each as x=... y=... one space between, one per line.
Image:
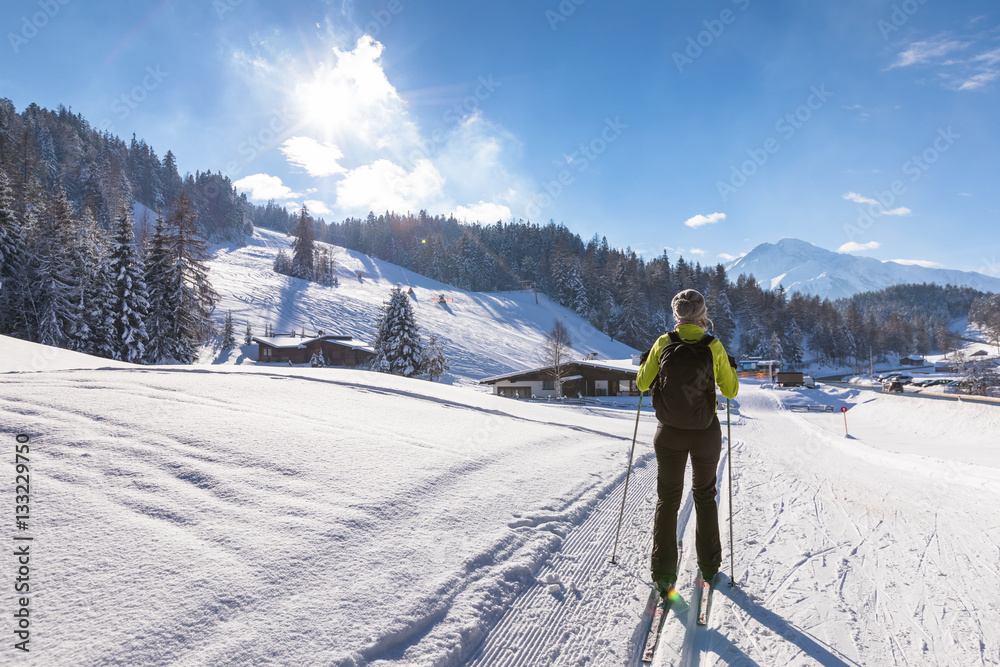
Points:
x=434 y=363
x=52 y=275
x=13 y=263
x=129 y=301
x=398 y=348
x=303 y=247
x=228 y=333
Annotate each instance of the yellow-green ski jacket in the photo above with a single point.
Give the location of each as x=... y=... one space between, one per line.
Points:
x=725 y=375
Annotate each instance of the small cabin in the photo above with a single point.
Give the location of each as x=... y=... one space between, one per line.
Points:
x=335 y=350
x=614 y=377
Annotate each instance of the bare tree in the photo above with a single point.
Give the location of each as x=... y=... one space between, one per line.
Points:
x=555 y=353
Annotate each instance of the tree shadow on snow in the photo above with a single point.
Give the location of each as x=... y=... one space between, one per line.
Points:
x=814 y=648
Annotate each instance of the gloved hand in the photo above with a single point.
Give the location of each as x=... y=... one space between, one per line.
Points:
x=732 y=361
x=643 y=357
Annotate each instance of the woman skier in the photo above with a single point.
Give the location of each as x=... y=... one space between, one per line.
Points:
x=683 y=368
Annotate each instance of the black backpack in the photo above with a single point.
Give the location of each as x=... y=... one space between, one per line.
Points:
x=684 y=388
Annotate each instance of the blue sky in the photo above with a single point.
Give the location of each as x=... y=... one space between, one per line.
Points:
x=702 y=127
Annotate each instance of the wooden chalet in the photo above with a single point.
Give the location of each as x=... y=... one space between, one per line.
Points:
x=336 y=350
x=589 y=377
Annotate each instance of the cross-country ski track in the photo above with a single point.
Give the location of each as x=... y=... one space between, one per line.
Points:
x=845 y=554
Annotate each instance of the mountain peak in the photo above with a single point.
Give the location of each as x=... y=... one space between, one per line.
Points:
x=803 y=267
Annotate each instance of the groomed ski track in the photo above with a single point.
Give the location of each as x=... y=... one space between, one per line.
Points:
x=584 y=610
x=845 y=554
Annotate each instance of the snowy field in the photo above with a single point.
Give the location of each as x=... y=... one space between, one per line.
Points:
x=241 y=514
x=483 y=334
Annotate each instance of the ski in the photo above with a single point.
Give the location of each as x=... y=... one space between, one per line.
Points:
x=705 y=602
x=654 y=630
x=662 y=606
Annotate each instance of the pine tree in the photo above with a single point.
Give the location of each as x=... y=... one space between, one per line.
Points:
x=283 y=264
x=193 y=297
x=248 y=335
x=13 y=264
x=53 y=312
x=303 y=247
x=398 y=349
x=434 y=363
x=160 y=297
x=228 y=333
x=129 y=302
x=90 y=260
x=792 y=346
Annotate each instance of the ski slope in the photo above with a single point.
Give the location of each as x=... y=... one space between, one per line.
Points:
x=243 y=514
x=483 y=334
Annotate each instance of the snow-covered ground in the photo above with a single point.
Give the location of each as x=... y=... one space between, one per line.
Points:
x=243 y=514
x=483 y=334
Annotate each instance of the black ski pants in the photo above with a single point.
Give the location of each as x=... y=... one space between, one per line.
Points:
x=673 y=446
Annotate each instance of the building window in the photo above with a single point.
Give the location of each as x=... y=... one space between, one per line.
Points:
x=627 y=387
x=514 y=392
x=548 y=385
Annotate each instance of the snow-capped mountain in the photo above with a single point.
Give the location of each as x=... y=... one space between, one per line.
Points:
x=808 y=269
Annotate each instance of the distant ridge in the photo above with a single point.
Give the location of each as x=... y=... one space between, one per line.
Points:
x=811 y=270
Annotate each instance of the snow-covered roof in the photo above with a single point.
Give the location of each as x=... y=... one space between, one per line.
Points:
x=292 y=342
x=622 y=365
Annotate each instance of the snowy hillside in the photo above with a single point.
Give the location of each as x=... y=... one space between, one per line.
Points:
x=811 y=270
x=483 y=334
x=274 y=515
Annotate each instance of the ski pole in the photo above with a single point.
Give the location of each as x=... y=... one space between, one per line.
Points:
x=628 y=473
x=729 y=464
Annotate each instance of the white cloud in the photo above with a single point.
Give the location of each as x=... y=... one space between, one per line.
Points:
x=925 y=51
x=700 y=220
x=317 y=207
x=927 y=264
x=318 y=159
x=977 y=81
x=902 y=210
x=729 y=258
x=958 y=73
x=347 y=113
x=698 y=251
x=858 y=199
x=486 y=212
x=263 y=187
x=854 y=246
x=384 y=185
x=352 y=96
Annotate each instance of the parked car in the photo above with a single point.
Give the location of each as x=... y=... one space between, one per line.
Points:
x=893 y=387
x=957 y=387
x=933 y=382
x=808 y=381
